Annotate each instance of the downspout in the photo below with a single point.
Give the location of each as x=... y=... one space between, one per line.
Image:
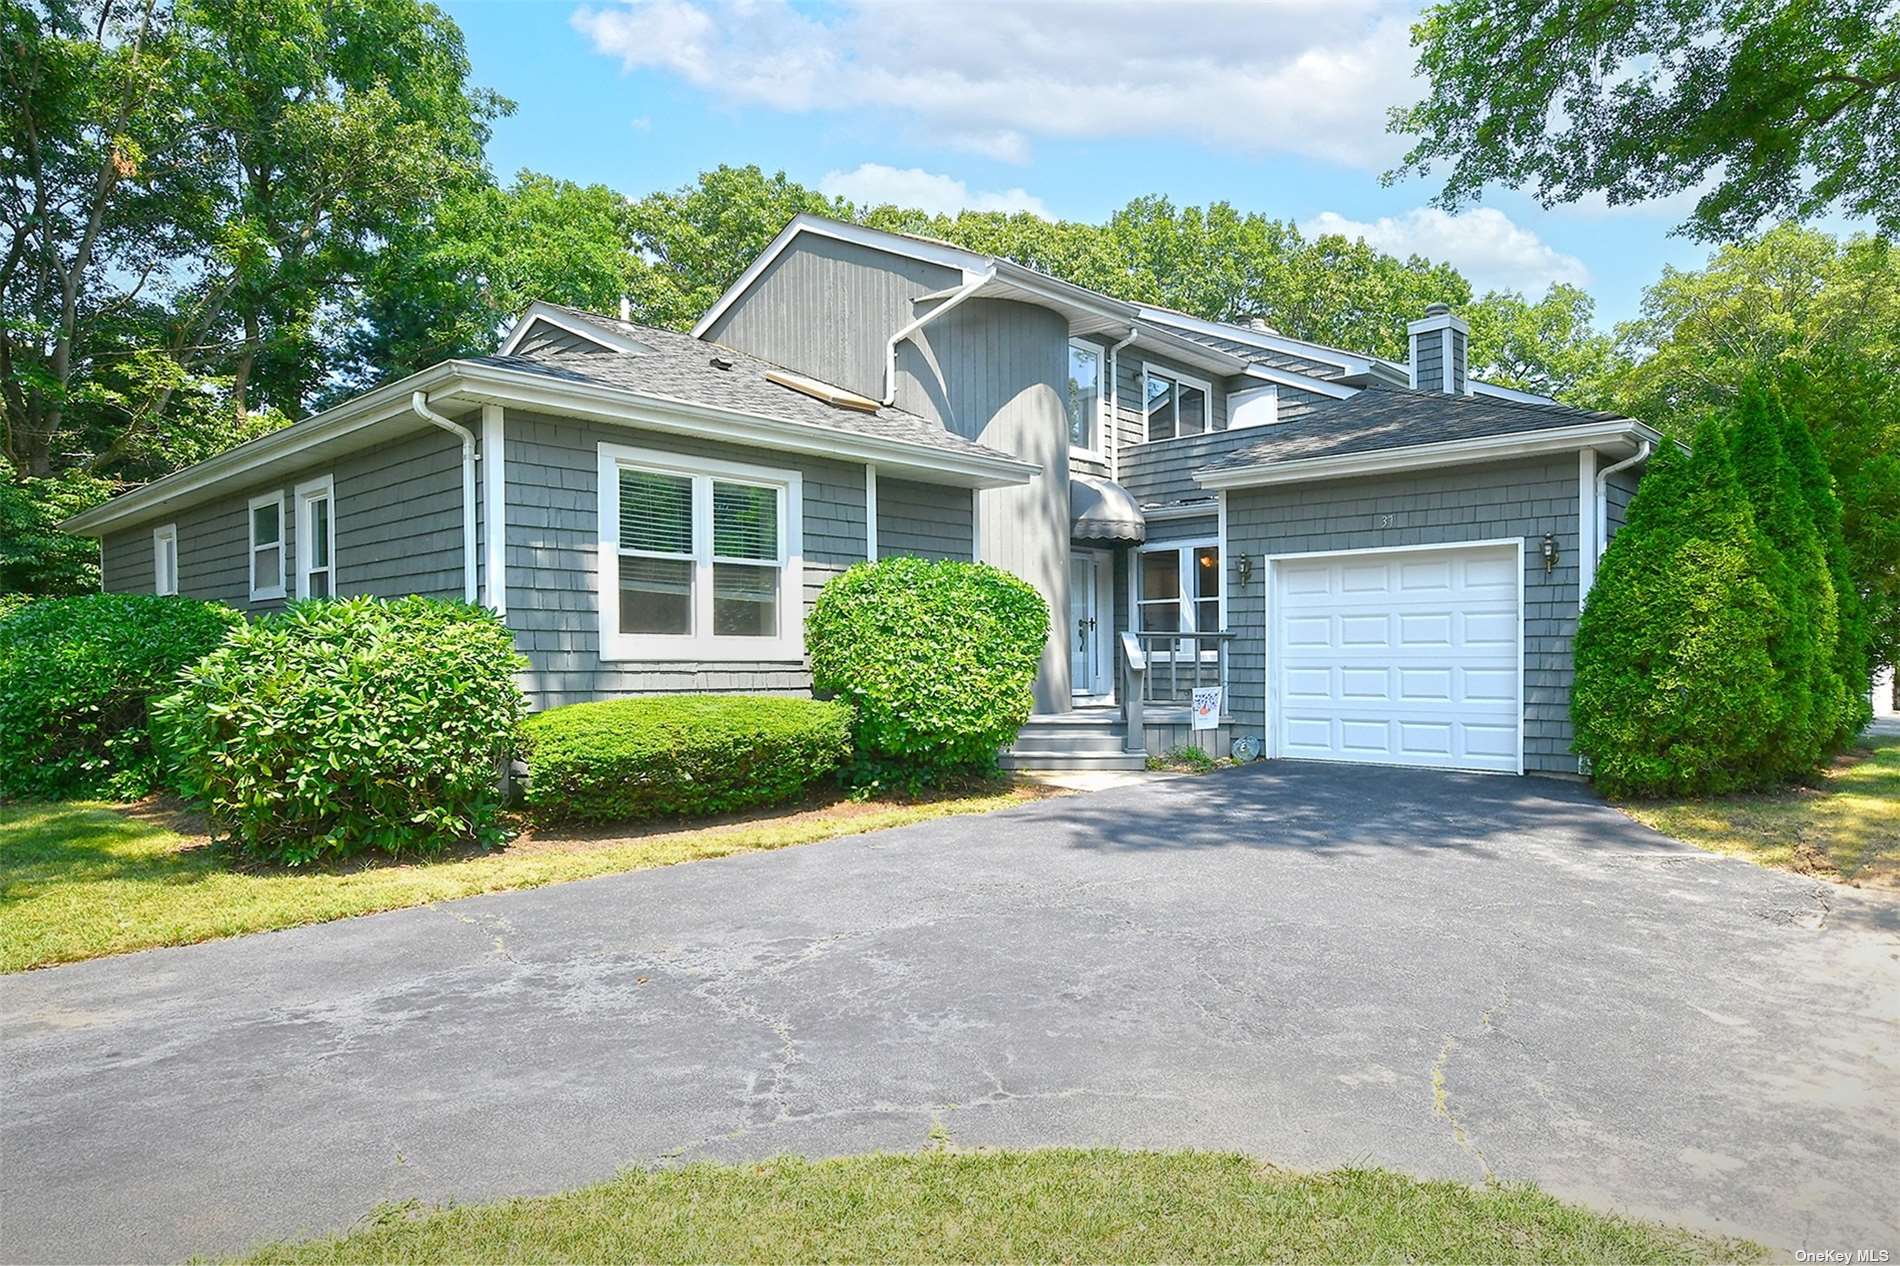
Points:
x=419 y=401
x=1115 y=408
x=890 y=349
x=1603 y=527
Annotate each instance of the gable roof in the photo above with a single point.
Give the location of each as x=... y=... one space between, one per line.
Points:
x=1386 y=427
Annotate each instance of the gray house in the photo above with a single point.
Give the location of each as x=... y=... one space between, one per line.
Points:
x=1375 y=561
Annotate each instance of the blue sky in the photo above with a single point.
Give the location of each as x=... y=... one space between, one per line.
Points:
x=1066 y=108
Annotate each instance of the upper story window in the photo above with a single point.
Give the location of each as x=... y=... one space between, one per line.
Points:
x=1085 y=396
x=267 y=547
x=1176 y=405
x=699 y=559
x=165 y=559
x=316 y=538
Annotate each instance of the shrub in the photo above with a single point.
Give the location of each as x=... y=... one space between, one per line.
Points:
x=1802 y=646
x=683 y=755
x=341 y=727
x=1674 y=686
x=76 y=678
x=937 y=660
x=1852 y=666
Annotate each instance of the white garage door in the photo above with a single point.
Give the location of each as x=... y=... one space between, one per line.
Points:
x=1402 y=658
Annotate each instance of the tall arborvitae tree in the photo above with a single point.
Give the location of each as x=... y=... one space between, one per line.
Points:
x=1673 y=674
x=1852 y=663
x=1803 y=643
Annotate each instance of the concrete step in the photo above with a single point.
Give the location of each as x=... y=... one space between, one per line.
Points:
x=1073 y=733
x=1032 y=759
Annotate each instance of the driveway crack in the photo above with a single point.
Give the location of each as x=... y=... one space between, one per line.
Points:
x=1442 y=1105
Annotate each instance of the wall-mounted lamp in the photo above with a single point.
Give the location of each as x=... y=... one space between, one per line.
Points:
x=1243 y=568
x=1550 y=553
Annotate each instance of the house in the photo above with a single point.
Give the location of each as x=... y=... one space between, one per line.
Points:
x=1377 y=561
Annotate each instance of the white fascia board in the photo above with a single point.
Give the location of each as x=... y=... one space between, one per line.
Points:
x=609 y=340
x=1488 y=448
x=492 y=384
x=1353 y=362
x=967 y=262
x=379 y=405
x=1507 y=393
x=1290 y=378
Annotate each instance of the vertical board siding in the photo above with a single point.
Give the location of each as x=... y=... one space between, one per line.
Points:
x=827 y=308
x=997 y=372
x=553 y=540
x=931 y=521
x=1495 y=501
x=398 y=529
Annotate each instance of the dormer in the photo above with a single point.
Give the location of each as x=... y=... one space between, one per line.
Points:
x=550 y=328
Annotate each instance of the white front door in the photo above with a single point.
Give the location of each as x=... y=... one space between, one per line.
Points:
x=1089 y=620
x=1399 y=657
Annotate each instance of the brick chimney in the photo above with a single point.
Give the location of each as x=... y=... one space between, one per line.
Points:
x=1438 y=351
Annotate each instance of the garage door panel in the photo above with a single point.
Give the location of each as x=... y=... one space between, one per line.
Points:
x=1409 y=658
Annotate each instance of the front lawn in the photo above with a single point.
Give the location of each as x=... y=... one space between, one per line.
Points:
x=81 y=880
x=1039 y=1206
x=1847 y=828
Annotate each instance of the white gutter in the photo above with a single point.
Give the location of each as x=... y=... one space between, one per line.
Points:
x=419 y=401
x=890 y=349
x=1603 y=527
x=1114 y=407
x=1442 y=453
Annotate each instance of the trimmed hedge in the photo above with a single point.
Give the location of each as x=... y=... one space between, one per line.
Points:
x=937 y=660
x=77 y=676
x=340 y=727
x=680 y=755
x=1674 y=684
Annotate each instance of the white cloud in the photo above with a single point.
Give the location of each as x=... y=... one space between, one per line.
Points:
x=874 y=184
x=1309 y=77
x=1484 y=244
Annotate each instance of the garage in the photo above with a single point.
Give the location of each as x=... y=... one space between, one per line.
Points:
x=1398 y=657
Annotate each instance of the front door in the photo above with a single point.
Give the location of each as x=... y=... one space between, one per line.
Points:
x=1089 y=632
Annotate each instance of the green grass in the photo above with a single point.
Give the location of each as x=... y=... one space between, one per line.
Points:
x=1847 y=827
x=1037 y=1206
x=82 y=880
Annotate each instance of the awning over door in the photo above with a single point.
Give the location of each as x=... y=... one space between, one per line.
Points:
x=1103 y=510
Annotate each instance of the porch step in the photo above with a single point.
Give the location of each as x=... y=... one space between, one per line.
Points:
x=1085 y=739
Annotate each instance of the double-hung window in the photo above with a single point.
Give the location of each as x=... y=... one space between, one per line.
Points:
x=1084 y=397
x=316 y=538
x=165 y=559
x=699 y=558
x=1175 y=404
x=267 y=546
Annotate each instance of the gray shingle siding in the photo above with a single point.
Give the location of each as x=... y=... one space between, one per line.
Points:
x=544 y=339
x=1457 y=362
x=1618 y=490
x=1495 y=501
x=398 y=529
x=1164 y=471
x=931 y=521
x=553 y=535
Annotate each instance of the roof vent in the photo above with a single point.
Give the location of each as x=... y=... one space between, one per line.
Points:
x=722 y=362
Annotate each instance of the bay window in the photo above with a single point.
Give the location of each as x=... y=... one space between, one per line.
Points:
x=699 y=559
x=1175 y=404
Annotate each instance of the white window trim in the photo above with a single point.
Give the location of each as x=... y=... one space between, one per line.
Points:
x=250 y=556
x=700 y=645
x=322 y=487
x=163 y=536
x=1186 y=547
x=1179 y=380
x=1099 y=452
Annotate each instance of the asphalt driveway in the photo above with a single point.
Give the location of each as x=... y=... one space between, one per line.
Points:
x=1451 y=975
